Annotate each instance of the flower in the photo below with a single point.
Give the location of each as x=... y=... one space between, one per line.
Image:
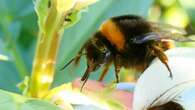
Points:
x=155 y=87
x=95 y=96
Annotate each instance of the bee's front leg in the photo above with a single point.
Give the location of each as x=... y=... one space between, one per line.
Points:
x=117 y=67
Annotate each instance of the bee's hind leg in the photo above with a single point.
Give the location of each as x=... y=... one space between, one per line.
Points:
x=158 y=52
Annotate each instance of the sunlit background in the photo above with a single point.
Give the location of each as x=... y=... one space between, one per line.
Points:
x=176 y=12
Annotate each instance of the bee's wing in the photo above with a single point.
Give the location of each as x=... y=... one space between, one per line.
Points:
x=161 y=27
x=163 y=32
x=160 y=36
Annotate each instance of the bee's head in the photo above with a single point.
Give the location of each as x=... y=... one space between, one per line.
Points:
x=97 y=52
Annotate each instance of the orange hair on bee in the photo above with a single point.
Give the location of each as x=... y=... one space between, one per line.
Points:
x=113 y=34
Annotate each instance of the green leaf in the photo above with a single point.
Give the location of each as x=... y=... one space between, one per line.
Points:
x=6 y=102
x=77 y=35
x=12 y=101
x=38 y=105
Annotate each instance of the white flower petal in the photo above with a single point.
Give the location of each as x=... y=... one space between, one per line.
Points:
x=187 y=99
x=155 y=87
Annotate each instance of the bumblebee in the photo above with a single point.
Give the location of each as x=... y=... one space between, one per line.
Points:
x=128 y=41
x=168 y=106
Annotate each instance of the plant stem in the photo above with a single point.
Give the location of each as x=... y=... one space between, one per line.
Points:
x=45 y=58
x=51 y=26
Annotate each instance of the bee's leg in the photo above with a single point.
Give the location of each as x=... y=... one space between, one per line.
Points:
x=85 y=77
x=87 y=72
x=80 y=53
x=117 y=67
x=77 y=59
x=84 y=81
x=158 y=52
x=105 y=71
x=90 y=68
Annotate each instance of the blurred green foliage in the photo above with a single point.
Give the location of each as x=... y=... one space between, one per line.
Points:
x=176 y=12
x=18 y=32
x=18 y=29
x=16 y=102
